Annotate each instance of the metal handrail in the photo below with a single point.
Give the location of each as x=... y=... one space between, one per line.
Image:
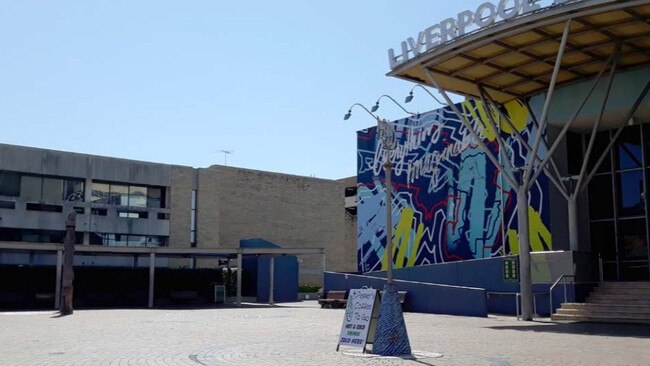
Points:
x=550 y=291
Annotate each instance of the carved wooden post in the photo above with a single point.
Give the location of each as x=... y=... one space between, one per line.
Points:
x=68 y=262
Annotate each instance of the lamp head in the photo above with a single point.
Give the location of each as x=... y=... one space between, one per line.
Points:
x=347 y=115
x=375 y=107
x=409 y=97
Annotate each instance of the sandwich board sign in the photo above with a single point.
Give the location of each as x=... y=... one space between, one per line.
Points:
x=360 y=320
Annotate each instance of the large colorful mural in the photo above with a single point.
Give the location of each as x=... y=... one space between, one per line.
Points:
x=449 y=201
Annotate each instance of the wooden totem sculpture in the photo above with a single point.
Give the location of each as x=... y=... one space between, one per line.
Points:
x=68 y=261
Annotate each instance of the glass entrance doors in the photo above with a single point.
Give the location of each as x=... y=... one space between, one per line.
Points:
x=618 y=208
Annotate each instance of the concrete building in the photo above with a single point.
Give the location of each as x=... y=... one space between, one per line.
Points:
x=131 y=205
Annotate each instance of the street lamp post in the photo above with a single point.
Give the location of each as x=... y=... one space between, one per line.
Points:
x=391 y=338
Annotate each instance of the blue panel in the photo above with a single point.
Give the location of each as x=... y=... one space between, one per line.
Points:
x=256 y=269
x=421 y=297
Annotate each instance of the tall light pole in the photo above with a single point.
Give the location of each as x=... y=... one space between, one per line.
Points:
x=391 y=338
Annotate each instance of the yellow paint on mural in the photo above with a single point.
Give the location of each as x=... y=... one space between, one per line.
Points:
x=538 y=232
x=518 y=116
x=515 y=109
x=402 y=239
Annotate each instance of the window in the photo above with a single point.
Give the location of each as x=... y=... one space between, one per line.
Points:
x=37 y=188
x=128 y=195
x=9 y=184
x=137 y=196
x=100 y=193
x=31 y=187
x=631 y=195
x=155 y=198
x=193 y=220
x=52 y=190
x=119 y=195
x=127 y=240
x=628 y=149
x=73 y=190
x=133 y=214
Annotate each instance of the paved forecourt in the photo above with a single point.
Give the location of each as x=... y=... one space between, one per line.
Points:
x=301 y=334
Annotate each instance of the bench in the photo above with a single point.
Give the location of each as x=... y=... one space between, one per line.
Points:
x=333 y=299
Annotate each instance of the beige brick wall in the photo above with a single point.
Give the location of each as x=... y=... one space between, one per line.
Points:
x=291 y=211
x=180 y=196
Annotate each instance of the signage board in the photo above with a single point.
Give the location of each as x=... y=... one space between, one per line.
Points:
x=485 y=15
x=510 y=270
x=360 y=313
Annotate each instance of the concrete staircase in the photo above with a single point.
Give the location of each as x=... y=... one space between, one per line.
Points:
x=611 y=302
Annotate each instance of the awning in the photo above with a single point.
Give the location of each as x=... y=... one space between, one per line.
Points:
x=515 y=59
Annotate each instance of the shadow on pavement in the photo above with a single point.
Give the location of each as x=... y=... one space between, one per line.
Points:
x=598 y=329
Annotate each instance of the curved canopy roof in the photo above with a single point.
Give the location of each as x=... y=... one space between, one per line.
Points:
x=515 y=59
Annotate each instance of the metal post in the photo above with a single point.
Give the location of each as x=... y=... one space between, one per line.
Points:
x=600 y=268
x=152 y=268
x=57 y=284
x=573 y=224
x=547 y=103
x=271 y=278
x=239 y=270
x=525 y=284
x=323 y=263
x=389 y=221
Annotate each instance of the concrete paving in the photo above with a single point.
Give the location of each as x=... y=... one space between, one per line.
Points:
x=302 y=334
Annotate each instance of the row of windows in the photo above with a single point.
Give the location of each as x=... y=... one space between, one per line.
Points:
x=57 y=236
x=128 y=195
x=38 y=188
x=36 y=236
x=52 y=189
x=124 y=240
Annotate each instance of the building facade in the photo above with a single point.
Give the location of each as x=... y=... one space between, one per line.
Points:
x=125 y=203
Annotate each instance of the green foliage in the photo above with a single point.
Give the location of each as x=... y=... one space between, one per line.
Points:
x=308 y=288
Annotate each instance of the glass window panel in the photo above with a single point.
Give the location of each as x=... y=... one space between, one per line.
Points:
x=137 y=241
x=574 y=153
x=631 y=200
x=52 y=190
x=628 y=149
x=117 y=240
x=137 y=196
x=31 y=236
x=602 y=140
x=634 y=245
x=155 y=241
x=31 y=187
x=9 y=184
x=155 y=197
x=119 y=195
x=100 y=193
x=73 y=190
x=97 y=239
x=603 y=239
x=601 y=199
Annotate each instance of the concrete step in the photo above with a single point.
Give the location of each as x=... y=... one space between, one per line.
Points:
x=620 y=297
x=616 y=301
x=638 y=293
x=607 y=307
x=604 y=313
x=598 y=319
x=625 y=284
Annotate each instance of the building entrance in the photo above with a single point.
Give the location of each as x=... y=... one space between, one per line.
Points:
x=618 y=208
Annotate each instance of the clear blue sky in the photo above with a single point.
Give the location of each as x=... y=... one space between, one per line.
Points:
x=176 y=81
